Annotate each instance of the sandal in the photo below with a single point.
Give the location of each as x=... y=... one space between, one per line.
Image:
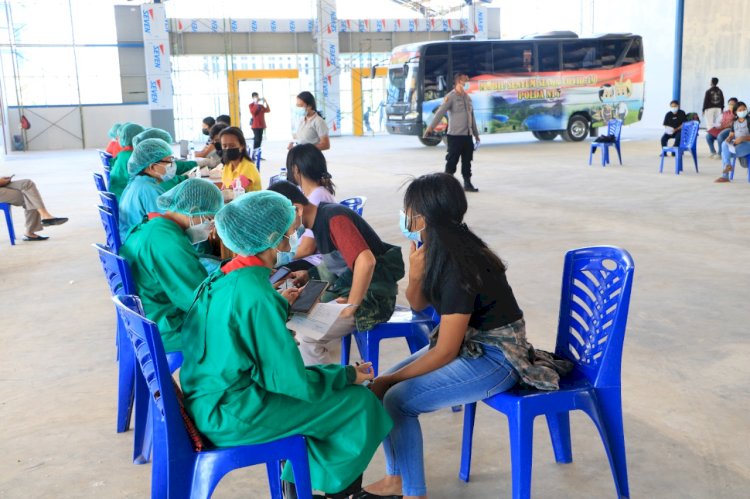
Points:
x=54 y=221
x=35 y=238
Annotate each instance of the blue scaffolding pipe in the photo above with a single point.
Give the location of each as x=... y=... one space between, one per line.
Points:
x=677 y=75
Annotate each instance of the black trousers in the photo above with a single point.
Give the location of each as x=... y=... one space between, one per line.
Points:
x=257 y=137
x=675 y=136
x=459 y=146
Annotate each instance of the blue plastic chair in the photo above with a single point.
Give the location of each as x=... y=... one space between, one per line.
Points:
x=5 y=207
x=614 y=129
x=734 y=163
x=593 y=314
x=111 y=229
x=99 y=182
x=105 y=157
x=356 y=203
x=178 y=471
x=413 y=326
x=109 y=200
x=120 y=281
x=688 y=140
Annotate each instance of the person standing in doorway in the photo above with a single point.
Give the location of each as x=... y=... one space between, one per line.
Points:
x=713 y=105
x=258 y=123
x=461 y=126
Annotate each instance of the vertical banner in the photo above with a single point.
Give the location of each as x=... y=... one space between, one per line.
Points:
x=327 y=44
x=479 y=21
x=156 y=51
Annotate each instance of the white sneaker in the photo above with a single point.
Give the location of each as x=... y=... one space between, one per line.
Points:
x=714 y=156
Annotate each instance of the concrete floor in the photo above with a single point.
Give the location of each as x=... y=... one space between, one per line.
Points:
x=685 y=371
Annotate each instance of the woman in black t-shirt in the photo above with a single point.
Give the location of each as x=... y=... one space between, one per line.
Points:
x=457 y=273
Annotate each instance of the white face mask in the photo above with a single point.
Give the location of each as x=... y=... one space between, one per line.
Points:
x=200 y=232
x=741 y=114
x=300 y=112
x=169 y=172
x=674 y=109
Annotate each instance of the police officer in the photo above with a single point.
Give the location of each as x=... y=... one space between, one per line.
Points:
x=461 y=126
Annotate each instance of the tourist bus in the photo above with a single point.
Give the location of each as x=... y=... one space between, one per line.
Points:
x=551 y=84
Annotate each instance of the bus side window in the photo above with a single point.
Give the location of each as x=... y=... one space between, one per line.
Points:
x=582 y=54
x=436 y=72
x=611 y=52
x=635 y=54
x=512 y=57
x=471 y=59
x=549 y=57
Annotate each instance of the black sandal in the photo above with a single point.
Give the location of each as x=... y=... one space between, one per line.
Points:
x=363 y=494
x=35 y=238
x=54 y=221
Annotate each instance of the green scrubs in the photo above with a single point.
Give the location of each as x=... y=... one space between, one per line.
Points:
x=167 y=272
x=137 y=201
x=245 y=383
x=118 y=173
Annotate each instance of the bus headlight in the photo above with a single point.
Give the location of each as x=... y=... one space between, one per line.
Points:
x=411 y=116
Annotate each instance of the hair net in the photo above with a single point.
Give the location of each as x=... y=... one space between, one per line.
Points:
x=147 y=152
x=127 y=132
x=112 y=133
x=192 y=197
x=153 y=133
x=255 y=222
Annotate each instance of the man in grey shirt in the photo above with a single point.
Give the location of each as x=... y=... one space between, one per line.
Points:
x=461 y=126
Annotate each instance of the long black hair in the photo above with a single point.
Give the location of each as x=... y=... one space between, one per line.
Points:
x=449 y=243
x=311 y=164
x=236 y=132
x=309 y=100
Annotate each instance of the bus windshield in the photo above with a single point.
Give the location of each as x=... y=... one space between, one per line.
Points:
x=402 y=83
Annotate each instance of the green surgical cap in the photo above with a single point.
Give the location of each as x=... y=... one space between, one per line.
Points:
x=255 y=222
x=113 y=131
x=148 y=152
x=127 y=132
x=153 y=133
x=192 y=197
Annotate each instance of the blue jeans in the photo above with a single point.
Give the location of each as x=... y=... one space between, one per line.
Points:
x=459 y=382
x=719 y=139
x=726 y=155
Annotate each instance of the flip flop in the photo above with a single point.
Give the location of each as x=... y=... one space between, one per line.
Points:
x=54 y=221
x=35 y=238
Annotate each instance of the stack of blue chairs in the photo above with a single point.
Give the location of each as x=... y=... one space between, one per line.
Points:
x=688 y=141
x=5 y=207
x=614 y=129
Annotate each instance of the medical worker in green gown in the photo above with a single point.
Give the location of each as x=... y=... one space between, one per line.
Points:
x=118 y=175
x=160 y=252
x=243 y=376
x=153 y=172
x=118 y=172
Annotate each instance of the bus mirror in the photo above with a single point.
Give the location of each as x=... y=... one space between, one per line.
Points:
x=373 y=71
x=441 y=83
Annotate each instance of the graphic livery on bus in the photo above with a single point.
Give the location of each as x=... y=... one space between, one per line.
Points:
x=556 y=84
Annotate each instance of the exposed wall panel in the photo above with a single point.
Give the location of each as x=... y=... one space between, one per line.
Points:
x=717 y=43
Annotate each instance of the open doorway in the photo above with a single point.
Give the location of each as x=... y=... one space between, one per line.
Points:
x=280 y=94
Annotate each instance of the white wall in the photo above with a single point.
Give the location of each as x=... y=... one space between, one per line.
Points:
x=717 y=43
x=63 y=135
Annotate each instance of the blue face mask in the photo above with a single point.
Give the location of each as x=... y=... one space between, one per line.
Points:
x=466 y=86
x=404 y=225
x=284 y=257
x=299 y=113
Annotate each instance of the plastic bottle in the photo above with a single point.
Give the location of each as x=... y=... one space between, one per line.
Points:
x=237 y=188
x=191 y=153
x=282 y=172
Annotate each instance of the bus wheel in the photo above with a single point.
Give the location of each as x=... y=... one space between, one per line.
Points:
x=545 y=135
x=578 y=129
x=430 y=141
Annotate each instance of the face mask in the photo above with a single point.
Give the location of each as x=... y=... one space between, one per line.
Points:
x=300 y=113
x=205 y=131
x=199 y=233
x=675 y=109
x=284 y=257
x=466 y=86
x=232 y=154
x=170 y=172
x=741 y=114
x=217 y=146
x=404 y=225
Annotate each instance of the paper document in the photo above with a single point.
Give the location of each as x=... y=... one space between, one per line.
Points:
x=322 y=323
x=668 y=130
x=732 y=149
